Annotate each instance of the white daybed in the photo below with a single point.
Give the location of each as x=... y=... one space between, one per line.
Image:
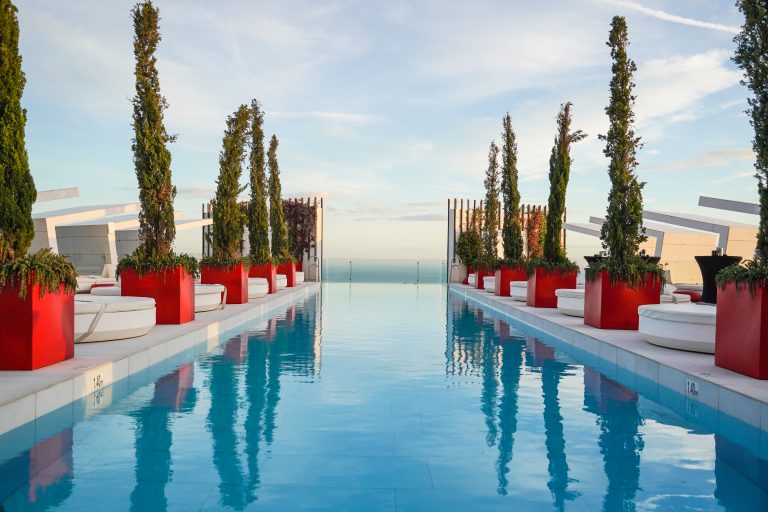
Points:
x=257 y=287
x=471 y=280
x=85 y=283
x=571 y=301
x=299 y=277
x=104 y=318
x=518 y=290
x=207 y=296
x=489 y=283
x=282 y=281
x=679 y=326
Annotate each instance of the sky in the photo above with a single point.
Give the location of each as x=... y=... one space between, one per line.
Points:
x=386 y=108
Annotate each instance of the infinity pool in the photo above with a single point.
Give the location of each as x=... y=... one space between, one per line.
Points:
x=381 y=397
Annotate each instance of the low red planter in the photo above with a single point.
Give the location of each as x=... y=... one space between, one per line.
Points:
x=268 y=271
x=470 y=270
x=543 y=283
x=234 y=279
x=614 y=305
x=172 y=289
x=505 y=275
x=479 y=275
x=289 y=269
x=741 y=330
x=299 y=266
x=37 y=331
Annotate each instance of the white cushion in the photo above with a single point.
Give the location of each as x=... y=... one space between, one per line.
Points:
x=112 y=291
x=121 y=318
x=282 y=281
x=208 y=297
x=257 y=287
x=518 y=290
x=675 y=298
x=208 y=289
x=299 y=277
x=472 y=280
x=689 y=287
x=679 y=326
x=571 y=293
x=571 y=301
x=84 y=283
x=489 y=283
x=114 y=304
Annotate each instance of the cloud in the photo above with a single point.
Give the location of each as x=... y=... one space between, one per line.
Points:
x=673 y=18
x=332 y=116
x=421 y=217
x=709 y=159
x=196 y=192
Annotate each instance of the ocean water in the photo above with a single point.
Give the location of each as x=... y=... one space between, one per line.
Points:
x=384 y=271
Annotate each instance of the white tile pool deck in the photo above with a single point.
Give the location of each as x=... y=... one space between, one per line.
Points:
x=26 y=396
x=725 y=391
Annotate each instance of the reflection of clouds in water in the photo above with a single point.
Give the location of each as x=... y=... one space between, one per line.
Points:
x=665 y=444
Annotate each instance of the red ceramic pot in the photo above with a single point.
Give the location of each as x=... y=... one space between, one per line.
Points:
x=37 y=331
x=479 y=275
x=741 y=330
x=289 y=269
x=543 y=283
x=614 y=305
x=505 y=275
x=470 y=270
x=172 y=289
x=268 y=271
x=234 y=279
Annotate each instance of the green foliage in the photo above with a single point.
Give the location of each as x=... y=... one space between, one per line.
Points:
x=535 y=234
x=44 y=267
x=142 y=264
x=151 y=157
x=213 y=261
x=491 y=224
x=512 y=232
x=752 y=273
x=258 y=213
x=559 y=172
x=469 y=246
x=228 y=217
x=632 y=272
x=280 y=249
x=562 y=267
x=300 y=219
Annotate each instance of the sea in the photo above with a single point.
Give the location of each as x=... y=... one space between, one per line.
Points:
x=384 y=271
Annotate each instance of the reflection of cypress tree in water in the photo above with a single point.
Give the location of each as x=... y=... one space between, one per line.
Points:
x=619 y=440
x=490 y=390
x=255 y=386
x=511 y=368
x=463 y=353
x=552 y=371
x=173 y=393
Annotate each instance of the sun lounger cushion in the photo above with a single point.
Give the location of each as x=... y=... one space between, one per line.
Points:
x=299 y=277
x=518 y=290
x=208 y=297
x=282 y=281
x=85 y=283
x=112 y=318
x=257 y=287
x=489 y=283
x=471 y=279
x=571 y=301
x=109 y=291
x=679 y=326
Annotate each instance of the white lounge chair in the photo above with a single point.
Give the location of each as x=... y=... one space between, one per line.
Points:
x=85 y=283
x=472 y=280
x=207 y=296
x=518 y=290
x=680 y=326
x=105 y=318
x=299 y=277
x=571 y=301
x=257 y=287
x=489 y=283
x=282 y=281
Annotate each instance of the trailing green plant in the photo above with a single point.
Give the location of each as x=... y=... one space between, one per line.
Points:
x=225 y=262
x=490 y=253
x=512 y=232
x=469 y=246
x=228 y=217
x=280 y=250
x=143 y=264
x=751 y=51
x=44 y=268
x=258 y=212
x=300 y=218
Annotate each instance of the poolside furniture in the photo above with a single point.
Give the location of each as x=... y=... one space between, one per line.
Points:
x=282 y=281
x=207 y=296
x=105 y=318
x=289 y=270
x=299 y=277
x=518 y=290
x=489 y=284
x=257 y=287
x=679 y=326
x=542 y=284
x=86 y=283
x=692 y=290
x=710 y=266
x=571 y=301
x=471 y=279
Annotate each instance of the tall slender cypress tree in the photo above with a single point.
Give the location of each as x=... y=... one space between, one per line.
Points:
x=280 y=249
x=491 y=217
x=228 y=217
x=512 y=232
x=258 y=213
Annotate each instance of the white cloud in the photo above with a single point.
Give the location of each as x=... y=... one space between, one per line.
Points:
x=710 y=159
x=673 y=18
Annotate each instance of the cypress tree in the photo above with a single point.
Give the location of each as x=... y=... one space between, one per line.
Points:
x=17 y=189
x=258 y=214
x=559 y=172
x=151 y=157
x=228 y=217
x=623 y=231
x=512 y=232
x=280 y=250
x=491 y=217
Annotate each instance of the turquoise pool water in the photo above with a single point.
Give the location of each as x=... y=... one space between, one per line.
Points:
x=381 y=397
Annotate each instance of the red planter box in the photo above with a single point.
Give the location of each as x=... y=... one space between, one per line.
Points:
x=36 y=332
x=289 y=269
x=614 y=306
x=505 y=275
x=741 y=330
x=268 y=271
x=470 y=270
x=542 y=285
x=173 y=291
x=234 y=279
x=479 y=275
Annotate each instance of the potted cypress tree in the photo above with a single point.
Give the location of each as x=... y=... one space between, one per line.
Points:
x=36 y=290
x=468 y=249
x=280 y=248
x=554 y=270
x=513 y=266
x=227 y=266
x=741 y=333
x=489 y=257
x=258 y=212
x=621 y=281
x=154 y=270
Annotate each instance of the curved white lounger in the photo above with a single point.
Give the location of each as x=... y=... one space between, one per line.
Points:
x=106 y=291
x=207 y=296
x=489 y=283
x=282 y=281
x=471 y=280
x=105 y=318
x=84 y=283
x=299 y=277
x=571 y=301
x=257 y=287
x=518 y=290
x=679 y=326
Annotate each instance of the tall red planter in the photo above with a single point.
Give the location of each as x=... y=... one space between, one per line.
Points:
x=741 y=330
x=505 y=275
x=470 y=270
x=543 y=283
x=268 y=271
x=36 y=331
x=172 y=289
x=289 y=269
x=234 y=279
x=614 y=305
x=479 y=275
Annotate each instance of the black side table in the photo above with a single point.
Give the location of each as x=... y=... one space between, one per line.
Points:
x=710 y=266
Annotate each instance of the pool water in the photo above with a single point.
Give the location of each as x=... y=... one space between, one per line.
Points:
x=383 y=397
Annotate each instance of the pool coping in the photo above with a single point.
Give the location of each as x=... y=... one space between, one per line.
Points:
x=692 y=375
x=28 y=395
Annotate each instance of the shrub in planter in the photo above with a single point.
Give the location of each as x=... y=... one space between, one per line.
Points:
x=468 y=248
x=741 y=334
x=301 y=219
x=623 y=280
x=554 y=270
x=227 y=266
x=280 y=245
x=488 y=260
x=154 y=270
x=36 y=290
